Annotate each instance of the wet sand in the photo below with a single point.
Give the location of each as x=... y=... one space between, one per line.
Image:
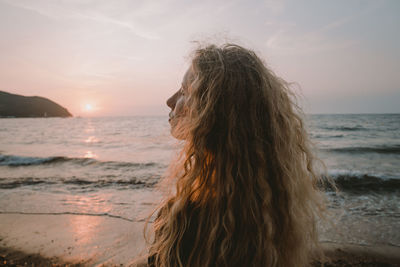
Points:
x=81 y=240
x=344 y=255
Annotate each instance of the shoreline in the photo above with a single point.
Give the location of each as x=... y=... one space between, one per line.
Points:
x=81 y=240
x=11 y=257
x=339 y=256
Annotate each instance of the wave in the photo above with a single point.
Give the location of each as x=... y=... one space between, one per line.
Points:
x=318 y=136
x=131 y=183
x=345 y=128
x=394 y=149
x=20 y=161
x=106 y=214
x=362 y=182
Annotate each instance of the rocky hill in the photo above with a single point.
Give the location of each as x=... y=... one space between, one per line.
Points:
x=19 y=106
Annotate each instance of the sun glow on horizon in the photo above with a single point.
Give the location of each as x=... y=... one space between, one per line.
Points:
x=88 y=107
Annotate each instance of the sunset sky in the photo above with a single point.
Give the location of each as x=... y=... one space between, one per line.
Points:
x=106 y=58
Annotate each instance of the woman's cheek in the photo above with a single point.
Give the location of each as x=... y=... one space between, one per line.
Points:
x=180 y=107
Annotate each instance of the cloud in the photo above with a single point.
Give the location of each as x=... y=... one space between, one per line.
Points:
x=131 y=26
x=69 y=10
x=289 y=41
x=290 y=38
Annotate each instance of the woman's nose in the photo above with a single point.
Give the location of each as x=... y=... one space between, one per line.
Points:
x=172 y=101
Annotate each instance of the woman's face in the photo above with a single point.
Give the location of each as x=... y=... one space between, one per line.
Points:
x=177 y=102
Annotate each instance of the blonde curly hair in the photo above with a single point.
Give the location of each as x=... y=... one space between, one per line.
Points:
x=247 y=192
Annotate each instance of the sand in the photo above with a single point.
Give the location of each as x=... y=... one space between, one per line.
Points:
x=345 y=255
x=81 y=240
x=87 y=240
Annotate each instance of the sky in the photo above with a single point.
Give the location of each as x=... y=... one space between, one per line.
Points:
x=122 y=58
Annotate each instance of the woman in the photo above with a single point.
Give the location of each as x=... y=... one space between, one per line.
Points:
x=246 y=191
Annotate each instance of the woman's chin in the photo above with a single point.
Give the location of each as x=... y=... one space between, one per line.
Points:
x=177 y=133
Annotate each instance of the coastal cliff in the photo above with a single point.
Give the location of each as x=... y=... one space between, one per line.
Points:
x=19 y=106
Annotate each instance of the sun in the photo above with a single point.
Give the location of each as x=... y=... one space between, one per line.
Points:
x=88 y=107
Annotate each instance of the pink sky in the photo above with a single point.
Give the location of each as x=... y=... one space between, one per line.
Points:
x=127 y=57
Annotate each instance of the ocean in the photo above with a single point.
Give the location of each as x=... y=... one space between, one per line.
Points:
x=109 y=167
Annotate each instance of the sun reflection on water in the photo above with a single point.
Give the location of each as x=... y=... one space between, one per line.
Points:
x=90 y=155
x=86 y=228
x=89 y=127
x=91 y=139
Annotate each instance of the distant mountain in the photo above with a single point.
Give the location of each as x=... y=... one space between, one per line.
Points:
x=29 y=106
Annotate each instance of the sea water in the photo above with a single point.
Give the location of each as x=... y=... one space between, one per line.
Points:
x=109 y=167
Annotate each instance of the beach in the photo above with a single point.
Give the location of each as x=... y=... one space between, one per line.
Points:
x=74 y=239
x=78 y=190
x=51 y=240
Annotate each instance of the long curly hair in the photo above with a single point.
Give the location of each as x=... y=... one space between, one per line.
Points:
x=247 y=191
